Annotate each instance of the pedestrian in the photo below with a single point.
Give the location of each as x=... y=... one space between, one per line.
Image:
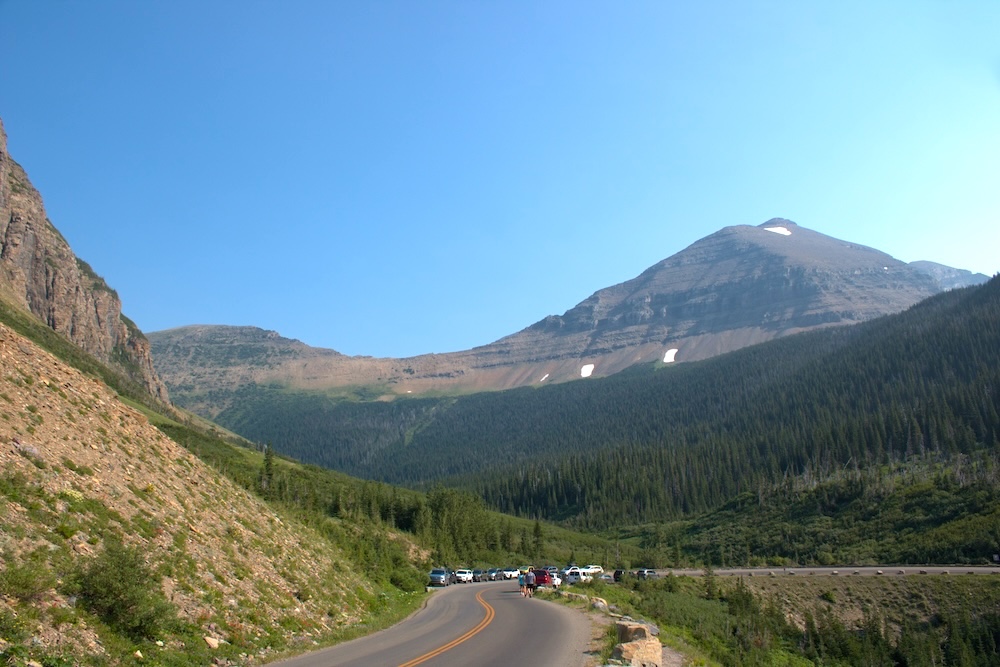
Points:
x=529 y=583
x=521 y=582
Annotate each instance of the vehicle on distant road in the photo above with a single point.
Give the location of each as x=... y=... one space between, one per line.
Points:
x=463 y=576
x=646 y=573
x=510 y=573
x=479 y=575
x=592 y=569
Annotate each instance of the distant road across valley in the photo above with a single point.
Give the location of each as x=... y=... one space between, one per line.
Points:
x=483 y=624
x=844 y=570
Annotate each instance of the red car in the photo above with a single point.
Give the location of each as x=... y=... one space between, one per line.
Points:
x=543 y=578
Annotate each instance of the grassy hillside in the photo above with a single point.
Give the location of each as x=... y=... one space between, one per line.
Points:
x=114 y=537
x=215 y=551
x=819 y=620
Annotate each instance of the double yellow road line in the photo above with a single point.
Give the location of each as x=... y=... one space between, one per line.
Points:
x=490 y=613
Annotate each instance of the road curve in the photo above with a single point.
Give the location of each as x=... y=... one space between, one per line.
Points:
x=487 y=624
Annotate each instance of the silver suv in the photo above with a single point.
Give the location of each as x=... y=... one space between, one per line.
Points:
x=440 y=577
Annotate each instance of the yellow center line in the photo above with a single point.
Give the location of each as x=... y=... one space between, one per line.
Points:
x=455 y=642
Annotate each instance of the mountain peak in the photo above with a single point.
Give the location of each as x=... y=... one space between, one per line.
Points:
x=742 y=285
x=778 y=222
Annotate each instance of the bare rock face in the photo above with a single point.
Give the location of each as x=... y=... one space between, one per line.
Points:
x=39 y=272
x=950 y=278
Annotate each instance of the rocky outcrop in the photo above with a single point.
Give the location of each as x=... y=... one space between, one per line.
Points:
x=39 y=272
x=637 y=646
x=947 y=277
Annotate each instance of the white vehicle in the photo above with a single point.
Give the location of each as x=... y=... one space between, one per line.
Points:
x=510 y=573
x=592 y=569
x=556 y=579
x=464 y=576
x=574 y=575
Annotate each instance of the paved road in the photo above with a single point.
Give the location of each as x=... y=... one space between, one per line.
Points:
x=486 y=624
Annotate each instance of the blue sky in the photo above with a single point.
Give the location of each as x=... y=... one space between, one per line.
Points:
x=397 y=178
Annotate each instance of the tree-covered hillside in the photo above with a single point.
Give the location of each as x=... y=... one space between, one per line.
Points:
x=661 y=443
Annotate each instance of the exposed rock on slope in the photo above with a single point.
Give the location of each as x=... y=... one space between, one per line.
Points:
x=79 y=466
x=740 y=286
x=948 y=278
x=39 y=272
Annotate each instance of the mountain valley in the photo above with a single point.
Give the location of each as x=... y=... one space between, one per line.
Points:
x=767 y=397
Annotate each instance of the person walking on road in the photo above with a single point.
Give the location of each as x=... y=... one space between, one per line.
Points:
x=529 y=583
x=521 y=582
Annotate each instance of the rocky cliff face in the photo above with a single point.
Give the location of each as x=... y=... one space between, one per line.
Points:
x=948 y=278
x=740 y=286
x=39 y=272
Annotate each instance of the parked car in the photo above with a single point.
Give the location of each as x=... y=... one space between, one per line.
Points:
x=463 y=576
x=617 y=576
x=575 y=575
x=493 y=573
x=440 y=577
x=646 y=573
x=543 y=578
x=510 y=573
x=479 y=575
x=592 y=569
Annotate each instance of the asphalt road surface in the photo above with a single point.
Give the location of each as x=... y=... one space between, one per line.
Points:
x=484 y=624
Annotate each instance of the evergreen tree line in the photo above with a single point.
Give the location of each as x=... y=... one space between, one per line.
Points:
x=654 y=444
x=922 y=385
x=759 y=631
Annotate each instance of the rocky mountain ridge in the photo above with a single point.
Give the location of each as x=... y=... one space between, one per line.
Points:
x=40 y=273
x=740 y=286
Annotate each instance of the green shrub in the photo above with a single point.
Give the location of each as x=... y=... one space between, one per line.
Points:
x=26 y=581
x=12 y=629
x=123 y=591
x=407 y=579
